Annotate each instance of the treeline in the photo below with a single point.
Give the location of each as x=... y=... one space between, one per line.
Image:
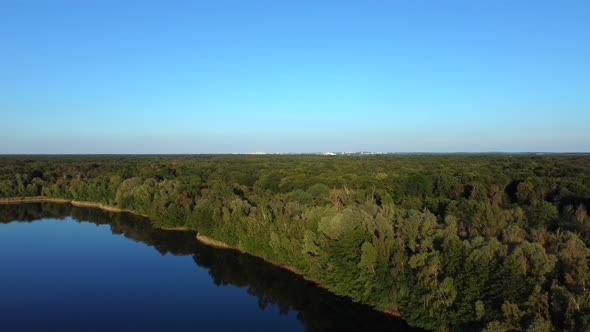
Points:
x=465 y=242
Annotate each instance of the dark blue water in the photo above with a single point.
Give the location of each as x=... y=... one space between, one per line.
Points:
x=71 y=269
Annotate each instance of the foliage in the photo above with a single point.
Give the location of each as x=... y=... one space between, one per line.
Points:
x=492 y=242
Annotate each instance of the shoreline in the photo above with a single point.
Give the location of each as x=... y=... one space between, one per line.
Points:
x=46 y=199
x=206 y=240
x=174 y=229
x=214 y=243
x=222 y=245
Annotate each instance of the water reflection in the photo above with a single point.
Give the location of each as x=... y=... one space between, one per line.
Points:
x=317 y=309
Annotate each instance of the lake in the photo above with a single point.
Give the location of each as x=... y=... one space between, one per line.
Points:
x=65 y=268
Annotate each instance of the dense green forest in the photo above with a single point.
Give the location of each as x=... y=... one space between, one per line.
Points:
x=492 y=242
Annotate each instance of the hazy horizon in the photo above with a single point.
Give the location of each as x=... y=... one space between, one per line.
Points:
x=105 y=77
x=323 y=153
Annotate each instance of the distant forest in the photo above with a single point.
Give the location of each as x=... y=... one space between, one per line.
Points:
x=492 y=242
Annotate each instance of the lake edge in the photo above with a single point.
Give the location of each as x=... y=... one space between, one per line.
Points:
x=206 y=240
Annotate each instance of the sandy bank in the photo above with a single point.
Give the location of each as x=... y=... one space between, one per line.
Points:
x=215 y=243
x=45 y=199
x=175 y=229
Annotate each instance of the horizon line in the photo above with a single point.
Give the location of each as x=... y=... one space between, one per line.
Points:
x=322 y=153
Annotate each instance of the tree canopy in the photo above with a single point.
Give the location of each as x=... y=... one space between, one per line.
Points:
x=493 y=242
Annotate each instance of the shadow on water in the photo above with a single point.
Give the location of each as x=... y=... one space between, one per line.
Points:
x=317 y=309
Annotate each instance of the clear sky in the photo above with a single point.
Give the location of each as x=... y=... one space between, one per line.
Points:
x=100 y=76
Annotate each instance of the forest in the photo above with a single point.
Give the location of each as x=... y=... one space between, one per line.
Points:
x=465 y=242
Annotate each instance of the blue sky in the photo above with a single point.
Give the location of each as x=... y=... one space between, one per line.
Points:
x=294 y=76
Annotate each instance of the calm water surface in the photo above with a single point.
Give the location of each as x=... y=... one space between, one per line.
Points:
x=64 y=268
